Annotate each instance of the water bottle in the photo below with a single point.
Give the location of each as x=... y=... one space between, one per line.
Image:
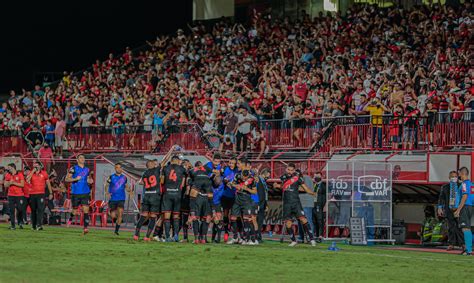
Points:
x=333 y=247
x=270 y=234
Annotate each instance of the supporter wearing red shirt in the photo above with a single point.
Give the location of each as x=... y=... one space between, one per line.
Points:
x=39 y=180
x=15 y=181
x=301 y=89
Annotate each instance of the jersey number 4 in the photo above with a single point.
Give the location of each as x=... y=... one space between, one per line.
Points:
x=150 y=182
x=173 y=176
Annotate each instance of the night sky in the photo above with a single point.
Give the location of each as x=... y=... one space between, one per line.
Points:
x=53 y=36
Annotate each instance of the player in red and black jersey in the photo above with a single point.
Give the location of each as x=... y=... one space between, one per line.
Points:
x=185 y=206
x=173 y=180
x=200 y=198
x=151 y=196
x=245 y=186
x=292 y=183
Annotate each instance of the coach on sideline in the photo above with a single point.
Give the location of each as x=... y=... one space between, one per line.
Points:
x=449 y=198
x=38 y=178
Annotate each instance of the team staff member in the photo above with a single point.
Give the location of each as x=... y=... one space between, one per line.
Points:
x=15 y=181
x=262 y=190
x=39 y=180
x=464 y=211
x=172 y=180
x=81 y=178
x=26 y=195
x=319 y=215
x=115 y=188
x=449 y=199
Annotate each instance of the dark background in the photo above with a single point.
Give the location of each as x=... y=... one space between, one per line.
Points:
x=53 y=36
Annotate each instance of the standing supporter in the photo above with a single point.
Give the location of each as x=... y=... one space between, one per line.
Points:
x=243 y=128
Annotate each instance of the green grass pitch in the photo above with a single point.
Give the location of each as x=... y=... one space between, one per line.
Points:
x=64 y=255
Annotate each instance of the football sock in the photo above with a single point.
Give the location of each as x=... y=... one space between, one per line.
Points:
x=167 y=228
x=196 y=229
x=139 y=225
x=151 y=226
x=468 y=240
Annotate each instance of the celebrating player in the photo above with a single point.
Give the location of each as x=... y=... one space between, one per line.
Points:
x=245 y=186
x=151 y=202
x=81 y=178
x=115 y=188
x=172 y=180
x=228 y=196
x=200 y=195
x=292 y=182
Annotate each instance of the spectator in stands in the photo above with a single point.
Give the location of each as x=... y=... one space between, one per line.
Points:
x=410 y=126
x=35 y=136
x=259 y=144
x=49 y=137
x=230 y=124
x=376 y=110
x=45 y=155
x=59 y=135
x=243 y=128
x=227 y=148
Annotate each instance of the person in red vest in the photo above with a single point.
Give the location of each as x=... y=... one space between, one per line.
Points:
x=39 y=180
x=15 y=181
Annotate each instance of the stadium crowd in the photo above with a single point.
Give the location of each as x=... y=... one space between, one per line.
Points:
x=227 y=77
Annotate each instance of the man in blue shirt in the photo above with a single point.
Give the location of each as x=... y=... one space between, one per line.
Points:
x=81 y=178
x=115 y=188
x=464 y=211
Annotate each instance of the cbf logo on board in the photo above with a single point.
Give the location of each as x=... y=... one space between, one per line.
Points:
x=340 y=186
x=378 y=186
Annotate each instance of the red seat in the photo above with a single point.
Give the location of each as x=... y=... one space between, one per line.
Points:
x=99 y=209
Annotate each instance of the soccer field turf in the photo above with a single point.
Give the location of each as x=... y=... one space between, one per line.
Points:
x=64 y=255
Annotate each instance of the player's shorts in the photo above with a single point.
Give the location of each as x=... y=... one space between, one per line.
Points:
x=254 y=208
x=185 y=206
x=217 y=208
x=78 y=200
x=151 y=203
x=115 y=204
x=227 y=203
x=200 y=206
x=241 y=207
x=203 y=185
x=171 y=202
x=465 y=217
x=292 y=209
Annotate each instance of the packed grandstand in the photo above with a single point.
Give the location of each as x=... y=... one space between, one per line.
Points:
x=375 y=78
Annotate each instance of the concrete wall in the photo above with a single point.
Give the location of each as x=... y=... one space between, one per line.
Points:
x=212 y=9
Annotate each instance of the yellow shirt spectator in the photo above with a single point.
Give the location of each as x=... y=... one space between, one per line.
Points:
x=376 y=113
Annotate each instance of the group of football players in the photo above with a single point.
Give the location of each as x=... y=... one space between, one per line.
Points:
x=178 y=196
